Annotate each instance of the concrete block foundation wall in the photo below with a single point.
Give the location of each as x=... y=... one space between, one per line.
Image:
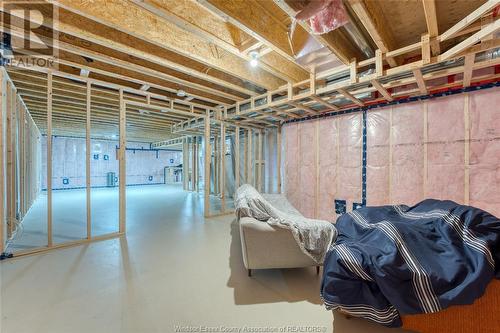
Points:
x=68 y=162
x=443 y=148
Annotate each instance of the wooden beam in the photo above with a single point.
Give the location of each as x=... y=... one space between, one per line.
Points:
x=350 y=96
x=373 y=20
x=469 y=19
x=468 y=66
x=493 y=27
x=420 y=81
x=432 y=24
x=381 y=90
x=137 y=22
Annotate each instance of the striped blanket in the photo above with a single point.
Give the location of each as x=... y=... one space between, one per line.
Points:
x=394 y=260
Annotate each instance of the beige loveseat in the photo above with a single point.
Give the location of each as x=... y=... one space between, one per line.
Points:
x=266 y=246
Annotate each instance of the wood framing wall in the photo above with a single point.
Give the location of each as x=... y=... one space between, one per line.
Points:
x=445 y=148
x=20 y=159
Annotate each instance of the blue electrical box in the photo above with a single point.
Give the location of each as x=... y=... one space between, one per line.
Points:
x=150 y=178
x=96 y=156
x=106 y=157
x=340 y=206
x=65 y=181
x=171 y=160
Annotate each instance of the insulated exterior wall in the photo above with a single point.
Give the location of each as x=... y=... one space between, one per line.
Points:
x=349 y=159
x=446 y=153
x=291 y=164
x=327 y=159
x=68 y=162
x=485 y=150
x=407 y=153
x=443 y=148
x=378 y=170
x=307 y=168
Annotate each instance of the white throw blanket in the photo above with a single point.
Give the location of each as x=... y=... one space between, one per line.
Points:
x=313 y=236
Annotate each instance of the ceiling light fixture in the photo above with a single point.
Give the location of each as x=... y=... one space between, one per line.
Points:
x=181 y=93
x=254 y=58
x=189 y=98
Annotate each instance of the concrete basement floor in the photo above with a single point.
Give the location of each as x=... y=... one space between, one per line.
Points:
x=174 y=269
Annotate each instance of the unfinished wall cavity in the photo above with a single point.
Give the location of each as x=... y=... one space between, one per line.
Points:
x=20 y=159
x=443 y=148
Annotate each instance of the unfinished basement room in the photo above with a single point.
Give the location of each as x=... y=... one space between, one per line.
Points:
x=250 y=166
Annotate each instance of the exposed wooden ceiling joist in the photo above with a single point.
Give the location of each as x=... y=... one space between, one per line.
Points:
x=89 y=35
x=432 y=24
x=195 y=19
x=373 y=21
x=137 y=22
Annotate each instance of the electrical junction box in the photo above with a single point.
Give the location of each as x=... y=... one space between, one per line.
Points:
x=340 y=206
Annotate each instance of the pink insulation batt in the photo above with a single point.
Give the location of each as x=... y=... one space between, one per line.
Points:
x=485 y=150
x=414 y=151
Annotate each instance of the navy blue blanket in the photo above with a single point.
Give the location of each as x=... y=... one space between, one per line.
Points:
x=394 y=260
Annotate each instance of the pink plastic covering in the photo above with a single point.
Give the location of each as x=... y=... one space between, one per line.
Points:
x=398 y=130
x=324 y=15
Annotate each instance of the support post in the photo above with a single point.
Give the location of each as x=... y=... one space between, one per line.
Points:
x=466 y=150
x=3 y=96
x=122 y=164
x=49 y=159
x=10 y=160
x=222 y=166
x=259 y=162
x=278 y=158
x=237 y=158
x=185 y=167
x=245 y=156
x=193 y=167
x=250 y=158
x=87 y=160
x=195 y=164
x=207 y=154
